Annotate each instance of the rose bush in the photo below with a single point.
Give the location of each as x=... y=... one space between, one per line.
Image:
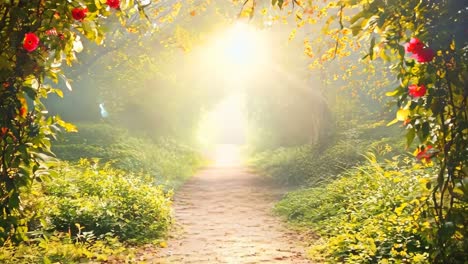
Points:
x=38 y=37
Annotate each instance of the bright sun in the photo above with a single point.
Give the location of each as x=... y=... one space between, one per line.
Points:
x=241 y=44
x=239 y=50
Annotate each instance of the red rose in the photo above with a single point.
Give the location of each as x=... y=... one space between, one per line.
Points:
x=420 y=53
x=79 y=13
x=113 y=3
x=417 y=91
x=30 y=42
x=425 y=55
x=414 y=46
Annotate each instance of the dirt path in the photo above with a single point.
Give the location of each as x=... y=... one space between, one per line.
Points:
x=224 y=216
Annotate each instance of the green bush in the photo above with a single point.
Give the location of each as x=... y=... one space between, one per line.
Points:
x=106 y=201
x=167 y=160
x=61 y=248
x=372 y=214
x=88 y=211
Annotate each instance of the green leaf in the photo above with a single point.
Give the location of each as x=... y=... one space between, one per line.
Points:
x=356 y=29
x=280 y=3
x=58 y=92
x=358 y=16
x=46 y=260
x=410 y=135
x=425 y=130
x=401 y=51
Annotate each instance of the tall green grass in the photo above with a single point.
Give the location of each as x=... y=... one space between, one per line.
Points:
x=319 y=163
x=169 y=162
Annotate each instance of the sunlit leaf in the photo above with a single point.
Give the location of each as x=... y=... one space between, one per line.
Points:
x=402 y=114
x=394 y=121
x=395 y=92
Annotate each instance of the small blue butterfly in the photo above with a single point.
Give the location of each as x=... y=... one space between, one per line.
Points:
x=104 y=113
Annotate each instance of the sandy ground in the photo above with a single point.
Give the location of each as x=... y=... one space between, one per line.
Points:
x=223 y=215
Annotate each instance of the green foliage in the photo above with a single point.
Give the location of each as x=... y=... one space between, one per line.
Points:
x=89 y=212
x=437 y=117
x=61 y=248
x=315 y=164
x=29 y=70
x=106 y=200
x=372 y=214
x=305 y=164
x=168 y=161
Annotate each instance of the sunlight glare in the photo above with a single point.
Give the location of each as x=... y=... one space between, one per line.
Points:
x=241 y=44
x=225 y=123
x=227 y=155
x=238 y=52
x=223 y=130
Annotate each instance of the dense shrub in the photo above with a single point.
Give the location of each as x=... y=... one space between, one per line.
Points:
x=61 y=248
x=373 y=214
x=167 y=160
x=86 y=211
x=106 y=200
x=111 y=189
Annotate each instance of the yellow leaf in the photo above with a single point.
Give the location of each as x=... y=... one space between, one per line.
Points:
x=394 y=121
x=402 y=114
x=452 y=45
